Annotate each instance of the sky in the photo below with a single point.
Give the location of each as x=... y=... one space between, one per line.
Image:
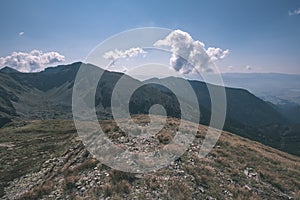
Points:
x=261 y=36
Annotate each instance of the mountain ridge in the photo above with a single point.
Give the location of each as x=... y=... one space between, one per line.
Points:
x=48 y=95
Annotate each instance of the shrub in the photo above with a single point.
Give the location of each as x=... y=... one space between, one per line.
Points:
x=122 y=187
x=164 y=137
x=89 y=163
x=153 y=183
x=70 y=182
x=117 y=176
x=179 y=190
x=107 y=190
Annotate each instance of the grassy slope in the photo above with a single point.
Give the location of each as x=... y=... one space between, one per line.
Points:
x=25 y=147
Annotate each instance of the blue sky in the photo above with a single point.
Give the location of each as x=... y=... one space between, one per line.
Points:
x=262 y=35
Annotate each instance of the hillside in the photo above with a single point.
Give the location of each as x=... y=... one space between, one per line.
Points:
x=48 y=95
x=45 y=160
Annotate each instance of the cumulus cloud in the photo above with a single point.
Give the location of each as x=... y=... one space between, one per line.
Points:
x=294 y=12
x=31 y=62
x=117 y=54
x=21 y=33
x=189 y=55
x=216 y=53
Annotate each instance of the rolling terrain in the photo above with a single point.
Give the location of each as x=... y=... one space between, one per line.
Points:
x=42 y=156
x=48 y=95
x=274 y=87
x=44 y=159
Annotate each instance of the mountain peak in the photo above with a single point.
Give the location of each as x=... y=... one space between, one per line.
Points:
x=60 y=68
x=8 y=70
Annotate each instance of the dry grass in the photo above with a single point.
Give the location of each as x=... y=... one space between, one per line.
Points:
x=164 y=136
x=273 y=166
x=153 y=182
x=116 y=189
x=122 y=187
x=69 y=182
x=178 y=190
x=117 y=176
x=107 y=189
x=38 y=191
x=89 y=163
x=220 y=172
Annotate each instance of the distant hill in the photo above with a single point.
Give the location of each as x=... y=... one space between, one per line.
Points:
x=247 y=116
x=283 y=90
x=48 y=95
x=8 y=70
x=273 y=87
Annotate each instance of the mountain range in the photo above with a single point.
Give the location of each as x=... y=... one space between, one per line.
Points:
x=279 y=89
x=48 y=95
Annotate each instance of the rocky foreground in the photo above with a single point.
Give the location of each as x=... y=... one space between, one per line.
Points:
x=46 y=160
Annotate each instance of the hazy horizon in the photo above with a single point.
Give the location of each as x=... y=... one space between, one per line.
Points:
x=257 y=41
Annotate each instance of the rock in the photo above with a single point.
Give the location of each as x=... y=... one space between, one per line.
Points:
x=249 y=172
x=148 y=195
x=139 y=176
x=210 y=198
x=201 y=189
x=83 y=189
x=226 y=192
x=247 y=187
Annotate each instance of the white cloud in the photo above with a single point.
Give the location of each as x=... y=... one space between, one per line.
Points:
x=217 y=53
x=187 y=52
x=21 y=33
x=31 y=62
x=294 y=12
x=124 y=69
x=117 y=54
x=248 y=67
x=230 y=67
